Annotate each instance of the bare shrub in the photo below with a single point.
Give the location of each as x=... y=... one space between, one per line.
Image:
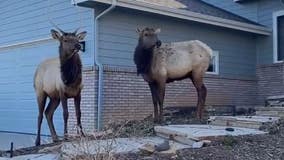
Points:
x=99 y=146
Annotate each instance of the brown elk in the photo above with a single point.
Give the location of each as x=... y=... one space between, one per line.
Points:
x=164 y=63
x=60 y=78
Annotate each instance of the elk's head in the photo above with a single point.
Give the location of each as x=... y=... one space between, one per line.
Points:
x=69 y=42
x=148 y=37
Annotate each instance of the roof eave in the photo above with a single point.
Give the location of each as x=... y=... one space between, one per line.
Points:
x=186 y=15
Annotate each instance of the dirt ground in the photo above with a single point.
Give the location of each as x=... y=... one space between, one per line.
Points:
x=257 y=147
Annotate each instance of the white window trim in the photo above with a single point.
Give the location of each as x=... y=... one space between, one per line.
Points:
x=216 y=55
x=275 y=35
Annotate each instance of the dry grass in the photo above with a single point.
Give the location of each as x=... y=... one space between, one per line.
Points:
x=133 y=128
x=100 y=146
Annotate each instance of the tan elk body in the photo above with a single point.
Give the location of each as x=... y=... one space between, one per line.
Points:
x=58 y=79
x=191 y=55
x=164 y=63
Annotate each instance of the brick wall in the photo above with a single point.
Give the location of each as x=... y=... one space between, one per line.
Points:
x=270 y=81
x=88 y=103
x=127 y=96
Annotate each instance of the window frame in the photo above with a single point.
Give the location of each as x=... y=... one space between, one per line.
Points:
x=275 y=35
x=216 y=55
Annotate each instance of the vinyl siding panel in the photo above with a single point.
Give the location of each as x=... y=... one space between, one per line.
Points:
x=247 y=10
x=266 y=9
x=265 y=44
x=24 y=21
x=259 y=11
x=17 y=96
x=118 y=38
x=29 y=20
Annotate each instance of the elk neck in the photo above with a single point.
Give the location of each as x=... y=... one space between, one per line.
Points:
x=143 y=58
x=71 y=69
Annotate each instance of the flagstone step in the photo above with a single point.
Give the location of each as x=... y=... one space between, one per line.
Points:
x=270 y=111
x=193 y=133
x=254 y=122
x=274 y=101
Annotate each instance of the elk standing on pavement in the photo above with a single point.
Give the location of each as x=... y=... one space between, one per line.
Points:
x=163 y=63
x=60 y=78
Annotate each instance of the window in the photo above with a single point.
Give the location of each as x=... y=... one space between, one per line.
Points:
x=214 y=64
x=278 y=36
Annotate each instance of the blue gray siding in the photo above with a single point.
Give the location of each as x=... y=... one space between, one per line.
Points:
x=28 y=20
x=265 y=44
x=117 y=40
x=266 y=9
x=260 y=11
x=23 y=21
x=247 y=9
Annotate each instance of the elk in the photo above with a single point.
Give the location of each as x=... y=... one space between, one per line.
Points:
x=58 y=79
x=160 y=63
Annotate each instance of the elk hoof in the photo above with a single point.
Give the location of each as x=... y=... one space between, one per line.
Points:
x=37 y=142
x=55 y=139
x=156 y=120
x=80 y=131
x=82 y=134
x=198 y=116
x=66 y=137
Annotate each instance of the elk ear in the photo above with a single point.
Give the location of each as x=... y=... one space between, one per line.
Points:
x=55 y=34
x=138 y=30
x=81 y=35
x=158 y=30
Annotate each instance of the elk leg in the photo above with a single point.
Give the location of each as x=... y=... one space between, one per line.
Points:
x=52 y=105
x=161 y=96
x=41 y=100
x=153 y=88
x=65 y=115
x=201 y=93
x=77 y=101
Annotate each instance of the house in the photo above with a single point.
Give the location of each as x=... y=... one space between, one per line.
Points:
x=244 y=34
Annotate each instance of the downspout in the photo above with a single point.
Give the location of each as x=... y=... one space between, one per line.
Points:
x=99 y=64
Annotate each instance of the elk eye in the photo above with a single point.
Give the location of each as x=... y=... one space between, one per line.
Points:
x=146 y=35
x=64 y=40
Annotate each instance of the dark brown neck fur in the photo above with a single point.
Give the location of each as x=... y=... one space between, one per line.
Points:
x=71 y=70
x=142 y=59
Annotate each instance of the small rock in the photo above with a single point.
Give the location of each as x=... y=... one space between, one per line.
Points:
x=198 y=144
x=151 y=148
x=206 y=142
x=163 y=146
x=148 y=147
